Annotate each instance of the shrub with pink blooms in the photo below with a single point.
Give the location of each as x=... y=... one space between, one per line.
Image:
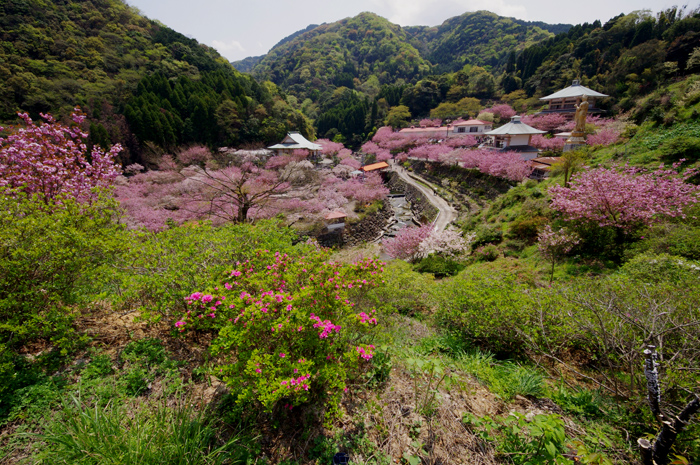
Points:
x=288 y=331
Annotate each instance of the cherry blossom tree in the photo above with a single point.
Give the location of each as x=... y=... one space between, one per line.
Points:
x=448 y=243
x=553 y=144
x=502 y=111
x=553 y=245
x=604 y=137
x=405 y=245
x=625 y=198
x=430 y=123
x=52 y=161
x=508 y=165
x=548 y=122
x=364 y=189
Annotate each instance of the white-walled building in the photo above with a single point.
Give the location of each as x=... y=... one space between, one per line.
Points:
x=473 y=127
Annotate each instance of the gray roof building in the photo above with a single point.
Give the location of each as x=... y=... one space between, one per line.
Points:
x=295 y=141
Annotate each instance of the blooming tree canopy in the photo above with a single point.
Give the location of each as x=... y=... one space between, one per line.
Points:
x=624 y=198
x=52 y=161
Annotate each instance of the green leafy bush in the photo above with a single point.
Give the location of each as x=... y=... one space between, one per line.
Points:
x=288 y=330
x=487 y=234
x=439 y=266
x=158 y=270
x=487 y=253
x=485 y=309
x=46 y=257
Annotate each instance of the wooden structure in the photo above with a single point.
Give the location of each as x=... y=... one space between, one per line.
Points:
x=566 y=100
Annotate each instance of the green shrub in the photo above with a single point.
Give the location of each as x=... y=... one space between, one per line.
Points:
x=652 y=268
x=526 y=228
x=484 y=308
x=158 y=270
x=438 y=266
x=46 y=260
x=487 y=253
x=682 y=240
x=403 y=290
x=487 y=234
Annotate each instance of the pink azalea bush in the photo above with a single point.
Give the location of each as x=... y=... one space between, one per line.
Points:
x=288 y=331
x=52 y=161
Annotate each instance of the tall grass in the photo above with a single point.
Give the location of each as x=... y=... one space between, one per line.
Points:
x=155 y=434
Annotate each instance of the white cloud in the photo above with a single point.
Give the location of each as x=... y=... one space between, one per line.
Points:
x=434 y=12
x=225 y=47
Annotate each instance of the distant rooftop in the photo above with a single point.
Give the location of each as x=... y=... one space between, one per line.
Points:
x=294 y=141
x=375 y=166
x=574 y=90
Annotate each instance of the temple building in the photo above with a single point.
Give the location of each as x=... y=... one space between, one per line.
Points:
x=565 y=100
x=295 y=141
x=514 y=136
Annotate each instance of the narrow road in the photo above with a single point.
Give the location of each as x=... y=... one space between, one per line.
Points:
x=446 y=214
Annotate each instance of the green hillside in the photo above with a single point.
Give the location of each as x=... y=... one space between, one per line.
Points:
x=130 y=75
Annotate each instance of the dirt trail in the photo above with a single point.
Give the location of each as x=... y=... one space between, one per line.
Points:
x=446 y=214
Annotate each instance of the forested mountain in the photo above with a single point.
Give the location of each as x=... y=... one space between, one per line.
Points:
x=479 y=38
x=351 y=73
x=138 y=80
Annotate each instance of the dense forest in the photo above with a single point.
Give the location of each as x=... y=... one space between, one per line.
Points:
x=139 y=81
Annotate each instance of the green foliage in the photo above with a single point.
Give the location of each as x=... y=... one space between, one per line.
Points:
x=578 y=401
x=520 y=439
x=288 y=331
x=483 y=309
x=158 y=270
x=153 y=435
x=46 y=258
x=403 y=290
x=652 y=268
x=487 y=234
x=682 y=240
x=487 y=253
x=438 y=266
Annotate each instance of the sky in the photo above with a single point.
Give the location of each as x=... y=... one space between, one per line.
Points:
x=239 y=29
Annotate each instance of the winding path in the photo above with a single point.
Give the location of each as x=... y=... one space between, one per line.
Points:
x=446 y=214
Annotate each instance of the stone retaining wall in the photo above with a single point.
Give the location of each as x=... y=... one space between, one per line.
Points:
x=365 y=230
x=422 y=209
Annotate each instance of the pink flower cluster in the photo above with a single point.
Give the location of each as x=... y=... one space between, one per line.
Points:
x=365 y=352
x=297 y=384
x=365 y=318
x=325 y=324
